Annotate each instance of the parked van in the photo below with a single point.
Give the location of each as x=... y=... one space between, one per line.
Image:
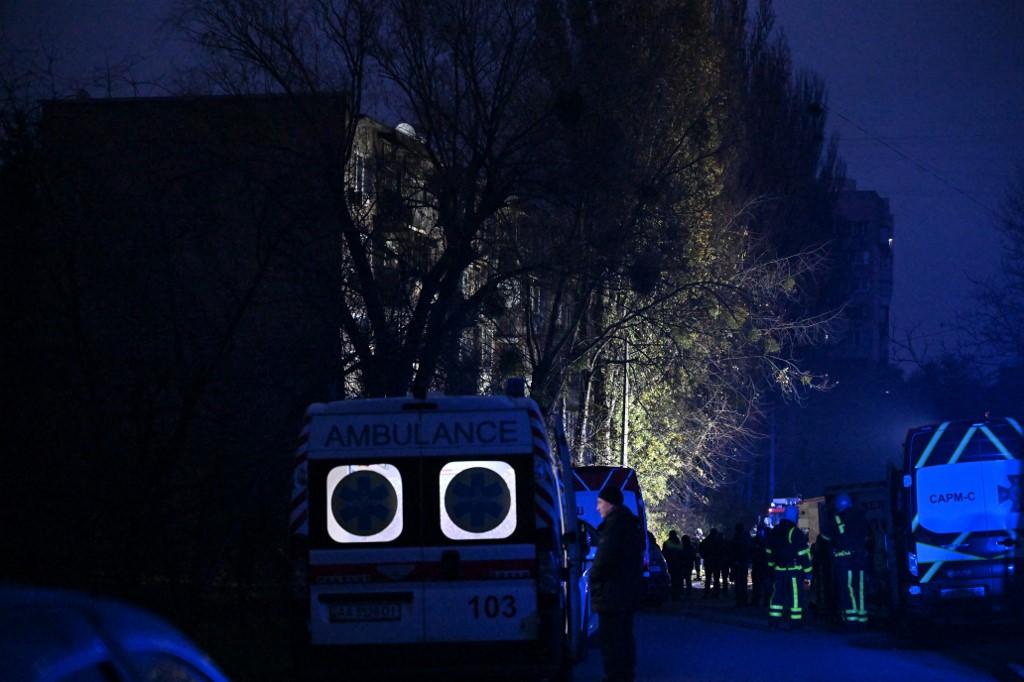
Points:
x=960 y=520
x=589 y=481
x=434 y=533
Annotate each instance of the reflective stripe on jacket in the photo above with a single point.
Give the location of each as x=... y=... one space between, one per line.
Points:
x=788 y=549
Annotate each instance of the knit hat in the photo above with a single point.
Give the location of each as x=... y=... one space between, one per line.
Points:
x=611 y=494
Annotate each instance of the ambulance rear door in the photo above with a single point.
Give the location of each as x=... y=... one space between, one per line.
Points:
x=366 y=555
x=479 y=535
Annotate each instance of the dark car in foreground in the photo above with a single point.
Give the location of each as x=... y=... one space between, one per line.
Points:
x=49 y=635
x=657 y=583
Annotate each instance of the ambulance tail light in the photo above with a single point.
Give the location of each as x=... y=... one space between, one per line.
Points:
x=912 y=563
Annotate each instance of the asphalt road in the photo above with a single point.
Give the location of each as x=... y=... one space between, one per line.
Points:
x=701 y=641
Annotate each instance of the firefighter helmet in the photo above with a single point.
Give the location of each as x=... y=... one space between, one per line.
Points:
x=843 y=502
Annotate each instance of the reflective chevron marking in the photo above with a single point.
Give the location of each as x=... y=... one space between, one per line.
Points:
x=931 y=445
x=963 y=444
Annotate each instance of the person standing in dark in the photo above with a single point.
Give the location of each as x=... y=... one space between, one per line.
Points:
x=739 y=555
x=790 y=558
x=760 y=572
x=689 y=560
x=616 y=582
x=698 y=565
x=847 y=532
x=673 y=551
x=722 y=561
x=711 y=551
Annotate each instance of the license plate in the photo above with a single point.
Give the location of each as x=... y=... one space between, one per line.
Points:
x=352 y=613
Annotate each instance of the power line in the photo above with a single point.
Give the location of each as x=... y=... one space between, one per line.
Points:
x=920 y=166
x=952 y=139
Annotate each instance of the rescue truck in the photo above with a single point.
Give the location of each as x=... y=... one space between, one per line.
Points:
x=432 y=534
x=777 y=509
x=874 y=500
x=959 y=519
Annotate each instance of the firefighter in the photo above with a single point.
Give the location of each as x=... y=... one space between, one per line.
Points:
x=790 y=559
x=760 y=573
x=847 y=533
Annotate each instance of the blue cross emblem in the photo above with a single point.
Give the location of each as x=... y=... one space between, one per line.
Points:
x=364 y=503
x=477 y=500
x=1011 y=493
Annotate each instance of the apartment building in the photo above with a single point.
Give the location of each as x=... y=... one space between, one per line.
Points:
x=864 y=269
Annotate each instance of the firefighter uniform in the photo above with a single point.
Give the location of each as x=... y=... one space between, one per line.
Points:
x=790 y=559
x=847 y=532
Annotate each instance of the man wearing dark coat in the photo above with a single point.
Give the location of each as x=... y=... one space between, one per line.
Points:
x=739 y=558
x=616 y=583
x=713 y=550
x=760 y=572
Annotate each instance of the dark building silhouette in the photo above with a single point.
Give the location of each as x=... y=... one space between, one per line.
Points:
x=188 y=315
x=864 y=263
x=851 y=431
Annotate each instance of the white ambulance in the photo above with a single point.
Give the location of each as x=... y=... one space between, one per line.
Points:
x=434 y=534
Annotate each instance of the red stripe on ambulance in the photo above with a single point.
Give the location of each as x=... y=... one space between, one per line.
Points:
x=429 y=570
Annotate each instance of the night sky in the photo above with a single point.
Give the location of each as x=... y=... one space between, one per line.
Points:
x=928 y=100
x=927 y=97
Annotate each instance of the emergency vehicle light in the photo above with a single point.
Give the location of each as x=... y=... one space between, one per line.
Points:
x=914 y=589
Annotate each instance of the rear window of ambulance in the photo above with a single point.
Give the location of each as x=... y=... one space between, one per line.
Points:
x=365 y=502
x=427 y=501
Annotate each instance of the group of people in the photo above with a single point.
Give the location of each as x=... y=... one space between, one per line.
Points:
x=719 y=561
x=776 y=563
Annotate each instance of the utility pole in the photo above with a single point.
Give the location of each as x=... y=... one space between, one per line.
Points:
x=625 y=402
x=771 y=456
